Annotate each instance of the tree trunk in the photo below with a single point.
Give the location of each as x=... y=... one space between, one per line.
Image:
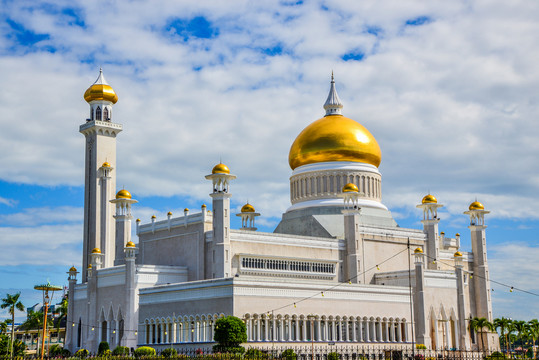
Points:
x=482 y=341
x=12 y=333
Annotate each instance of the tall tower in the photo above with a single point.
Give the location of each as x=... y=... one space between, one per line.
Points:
x=220 y=177
x=123 y=218
x=477 y=227
x=100 y=179
x=430 y=221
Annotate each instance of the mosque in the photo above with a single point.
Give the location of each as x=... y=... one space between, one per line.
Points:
x=337 y=270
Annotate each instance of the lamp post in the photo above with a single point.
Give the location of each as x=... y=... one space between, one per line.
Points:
x=46 y=300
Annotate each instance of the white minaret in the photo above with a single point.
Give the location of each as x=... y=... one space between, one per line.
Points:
x=100 y=179
x=220 y=177
x=430 y=221
x=353 y=267
x=248 y=215
x=477 y=227
x=123 y=218
x=333 y=104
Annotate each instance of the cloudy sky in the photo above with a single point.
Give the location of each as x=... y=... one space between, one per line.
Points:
x=450 y=89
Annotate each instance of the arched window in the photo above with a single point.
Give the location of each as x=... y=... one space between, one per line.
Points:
x=91 y=114
x=104 y=329
x=106 y=116
x=79 y=334
x=98 y=113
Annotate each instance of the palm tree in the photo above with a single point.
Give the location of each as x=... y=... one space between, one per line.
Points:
x=520 y=328
x=12 y=302
x=503 y=324
x=3 y=326
x=62 y=313
x=479 y=325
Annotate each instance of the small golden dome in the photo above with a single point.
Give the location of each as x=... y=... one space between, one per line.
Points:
x=96 y=251
x=153 y=216
x=105 y=164
x=130 y=244
x=247 y=208
x=350 y=188
x=89 y=266
x=458 y=254
x=220 y=169
x=476 y=205
x=138 y=220
x=457 y=234
x=185 y=210
x=203 y=205
x=429 y=199
x=334 y=138
x=418 y=251
x=73 y=268
x=169 y=213
x=123 y=194
x=442 y=233
x=100 y=90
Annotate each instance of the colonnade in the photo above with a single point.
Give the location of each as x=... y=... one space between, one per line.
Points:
x=324 y=184
x=183 y=329
x=282 y=328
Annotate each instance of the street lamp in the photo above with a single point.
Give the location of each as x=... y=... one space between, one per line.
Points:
x=46 y=300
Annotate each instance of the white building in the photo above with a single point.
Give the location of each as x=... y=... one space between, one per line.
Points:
x=337 y=268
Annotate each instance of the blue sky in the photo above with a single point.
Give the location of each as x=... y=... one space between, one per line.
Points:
x=449 y=90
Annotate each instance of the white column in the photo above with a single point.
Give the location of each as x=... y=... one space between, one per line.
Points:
x=318 y=330
x=248 y=326
x=367 y=331
x=258 y=322
x=334 y=324
x=297 y=329
x=273 y=329
x=360 y=330
x=304 y=327
x=354 y=329
x=289 y=329
x=266 y=330
x=386 y=330
x=398 y=334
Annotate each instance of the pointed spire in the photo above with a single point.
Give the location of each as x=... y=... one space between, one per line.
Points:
x=101 y=78
x=333 y=104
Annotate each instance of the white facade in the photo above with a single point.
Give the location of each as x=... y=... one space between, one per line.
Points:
x=325 y=275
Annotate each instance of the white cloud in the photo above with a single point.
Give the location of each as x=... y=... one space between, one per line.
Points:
x=46 y=215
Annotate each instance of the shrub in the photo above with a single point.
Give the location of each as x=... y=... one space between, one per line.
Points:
x=333 y=356
x=120 y=350
x=230 y=332
x=228 y=349
x=169 y=353
x=496 y=355
x=55 y=350
x=66 y=353
x=144 y=351
x=103 y=346
x=253 y=353
x=420 y=346
x=82 y=353
x=289 y=354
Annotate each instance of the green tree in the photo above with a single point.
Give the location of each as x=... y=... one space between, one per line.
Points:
x=34 y=321
x=503 y=324
x=533 y=326
x=3 y=326
x=12 y=303
x=62 y=312
x=520 y=327
x=230 y=332
x=479 y=325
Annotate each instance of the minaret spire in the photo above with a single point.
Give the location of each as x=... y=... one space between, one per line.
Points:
x=333 y=105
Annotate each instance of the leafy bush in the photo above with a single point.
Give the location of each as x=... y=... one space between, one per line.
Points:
x=66 y=353
x=228 y=349
x=121 y=350
x=420 y=346
x=253 y=353
x=55 y=350
x=496 y=355
x=169 y=353
x=289 y=354
x=103 y=345
x=230 y=332
x=333 y=356
x=82 y=353
x=144 y=351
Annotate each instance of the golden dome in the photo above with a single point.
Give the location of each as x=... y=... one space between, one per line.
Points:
x=123 y=194
x=476 y=205
x=220 y=169
x=153 y=216
x=138 y=220
x=96 y=251
x=185 y=210
x=247 y=208
x=89 y=266
x=73 y=268
x=169 y=213
x=130 y=244
x=429 y=199
x=350 y=188
x=418 y=251
x=105 y=164
x=100 y=90
x=458 y=254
